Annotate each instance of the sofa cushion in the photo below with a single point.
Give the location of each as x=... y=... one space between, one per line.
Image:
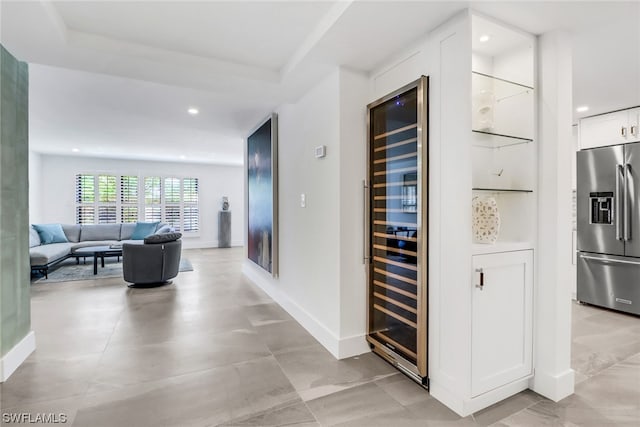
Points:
x=144 y=229
x=98 y=232
x=44 y=254
x=165 y=229
x=50 y=233
x=162 y=238
x=34 y=238
x=72 y=231
x=127 y=230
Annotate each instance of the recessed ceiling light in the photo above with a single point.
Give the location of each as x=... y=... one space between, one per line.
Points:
x=193 y=111
x=182 y=157
x=582 y=108
x=484 y=38
x=75 y=150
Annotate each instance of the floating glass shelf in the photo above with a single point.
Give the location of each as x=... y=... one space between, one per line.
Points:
x=502 y=190
x=497 y=140
x=501 y=80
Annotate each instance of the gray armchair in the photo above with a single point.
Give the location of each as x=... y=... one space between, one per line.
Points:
x=151 y=264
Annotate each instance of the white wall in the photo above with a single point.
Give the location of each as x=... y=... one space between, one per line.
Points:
x=35 y=187
x=554 y=377
x=321 y=276
x=57 y=193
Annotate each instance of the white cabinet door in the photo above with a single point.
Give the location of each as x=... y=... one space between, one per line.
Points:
x=502 y=334
x=605 y=129
x=634 y=125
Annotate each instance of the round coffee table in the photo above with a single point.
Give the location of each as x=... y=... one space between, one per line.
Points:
x=101 y=252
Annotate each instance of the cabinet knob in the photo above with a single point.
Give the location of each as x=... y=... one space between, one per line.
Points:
x=481 y=284
x=623 y=131
x=634 y=130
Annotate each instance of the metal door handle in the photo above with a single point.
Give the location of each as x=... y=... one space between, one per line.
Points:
x=627 y=202
x=481 y=284
x=623 y=131
x=619 y=174
x=365 y=212
x=634 y=130
x=618 y=261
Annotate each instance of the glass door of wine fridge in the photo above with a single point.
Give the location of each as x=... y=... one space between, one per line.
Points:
x=397 y=230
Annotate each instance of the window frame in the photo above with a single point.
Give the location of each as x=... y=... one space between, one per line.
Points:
x=141 y=204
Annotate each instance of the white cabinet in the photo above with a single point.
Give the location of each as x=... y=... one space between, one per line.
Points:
x=634 y=125
x=502 y=319
x=618 y=127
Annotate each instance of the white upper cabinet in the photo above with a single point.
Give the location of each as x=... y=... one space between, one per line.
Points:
x=634 y=125
x=618 y=127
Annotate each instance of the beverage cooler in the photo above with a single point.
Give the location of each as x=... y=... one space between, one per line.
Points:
x=396 y=241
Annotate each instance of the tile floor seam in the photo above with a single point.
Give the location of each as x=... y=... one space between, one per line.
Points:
x=90 y=379
x=296 y=390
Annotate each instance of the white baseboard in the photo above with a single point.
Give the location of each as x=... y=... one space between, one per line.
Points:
x=339 y=348
x=206 y=244
x=18 y=354
x=465 y=407
x=554 y=387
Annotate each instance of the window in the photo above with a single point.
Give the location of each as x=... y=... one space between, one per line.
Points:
x=172 y=199
x=109 y=199
x=96 y=199
x=129 y=198
x=190 y=204
x=152 y=200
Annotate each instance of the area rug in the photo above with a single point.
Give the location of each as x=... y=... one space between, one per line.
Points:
x=68 y=270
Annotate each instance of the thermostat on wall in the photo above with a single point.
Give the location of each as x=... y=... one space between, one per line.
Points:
x=321 y=151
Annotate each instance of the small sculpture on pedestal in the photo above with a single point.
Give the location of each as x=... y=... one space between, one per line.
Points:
x=225 y=203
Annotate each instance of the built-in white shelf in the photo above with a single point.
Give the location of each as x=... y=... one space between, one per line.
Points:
x=500 y=246
x=502 y=190
x=486 y=139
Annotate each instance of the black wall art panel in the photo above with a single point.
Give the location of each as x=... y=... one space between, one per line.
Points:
x=262 y=200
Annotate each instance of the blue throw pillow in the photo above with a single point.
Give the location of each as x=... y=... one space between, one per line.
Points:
x=144 y=229
x=50 y=233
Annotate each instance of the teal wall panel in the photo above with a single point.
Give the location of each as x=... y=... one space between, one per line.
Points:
x=15 y=314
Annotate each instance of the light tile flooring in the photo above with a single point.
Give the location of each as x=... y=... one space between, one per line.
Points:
x=212 y=349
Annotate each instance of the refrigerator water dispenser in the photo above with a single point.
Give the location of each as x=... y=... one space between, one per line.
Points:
x=601 y=205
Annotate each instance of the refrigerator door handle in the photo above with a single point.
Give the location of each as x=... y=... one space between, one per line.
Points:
x=619 y=175
x=616 y=261
x=627 y=202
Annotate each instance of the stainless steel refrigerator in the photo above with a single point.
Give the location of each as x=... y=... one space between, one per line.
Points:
x=608 y=214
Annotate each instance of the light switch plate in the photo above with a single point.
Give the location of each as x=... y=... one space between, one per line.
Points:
x=303 y=200
x=321 y=151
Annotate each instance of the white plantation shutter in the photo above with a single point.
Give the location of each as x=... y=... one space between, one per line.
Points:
x=85 y=214
x=172 y=198
x=85 y=199
x=190 y=205
x=129 y=198
x=152 y=199
x=109 y=199
x=107 y=214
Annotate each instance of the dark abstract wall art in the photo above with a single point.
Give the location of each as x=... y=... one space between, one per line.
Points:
x=262 y=195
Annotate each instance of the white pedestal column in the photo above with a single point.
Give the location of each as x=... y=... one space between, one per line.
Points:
x=554 y=377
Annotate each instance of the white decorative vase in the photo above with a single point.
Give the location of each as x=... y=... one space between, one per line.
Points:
x=483 y=105
x=486 y=220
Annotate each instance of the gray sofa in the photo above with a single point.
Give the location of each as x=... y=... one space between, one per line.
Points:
x=44 y=257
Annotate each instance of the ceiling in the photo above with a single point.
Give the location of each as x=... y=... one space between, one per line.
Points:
x=115 y=79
